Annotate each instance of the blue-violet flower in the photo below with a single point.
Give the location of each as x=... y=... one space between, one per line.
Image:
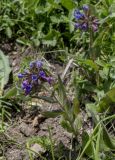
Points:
x=84 y=20
x=34 y=76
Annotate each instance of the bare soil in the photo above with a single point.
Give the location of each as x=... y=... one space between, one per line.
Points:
x=29 y=122
x=26 y=125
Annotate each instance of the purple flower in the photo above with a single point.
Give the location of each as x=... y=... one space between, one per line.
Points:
x=96 y=21
x=28 y=89
x=20 y=75
x=94 y=27
x=26 y=86
x=77 y=25
x=85 y=7
x=49 y=79
x=44 y=77
x=39 y=64
x=78 y=15
x=32 y=64
x=84 y=26
x=34 y=77
x=42 y=74
x=85 y=20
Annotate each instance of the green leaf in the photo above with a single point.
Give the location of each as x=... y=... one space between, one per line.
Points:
x=45 y=98
x=91 y=64
x=36 y=42
x=62 y=92
x=69 y=4
x=62 y=98
x=51 y=38
x=29 y=4
x=4 y=70
x=112 y=15
x=76 y=108
x=107 y=101
x=112 y=8
x=66 y=125
x=9 y=32
x=51 y=34
x=85 y=139
x=50 y=42
x=107 y=139
x=96 y=153
x=57 y=19
x=78 y=123
x=52 y=114
x=100 y=63
x=92 y=9
x=71 y=24
x=104 y=73
x=10 y=93
x=51 y=1
x=91 y=110
x=23 y=41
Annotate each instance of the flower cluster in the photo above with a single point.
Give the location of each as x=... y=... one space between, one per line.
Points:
x=34 y=76
x=84 y=20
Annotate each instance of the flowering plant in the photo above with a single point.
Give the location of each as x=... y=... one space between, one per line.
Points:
x=84 y=19
x=34 y=76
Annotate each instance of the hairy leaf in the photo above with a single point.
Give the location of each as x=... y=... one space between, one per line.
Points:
x=69 y=4
x=107 y=139
x=52 y=114
x=107 y=101
x=4 y=70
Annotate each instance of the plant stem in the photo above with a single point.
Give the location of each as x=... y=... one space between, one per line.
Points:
x=52 y=144
x=92 y=54
x=92 y=135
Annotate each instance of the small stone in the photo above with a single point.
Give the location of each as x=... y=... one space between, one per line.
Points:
x=14 y=154
x=44 y=128
x=26 y=130
x=37 y=120
x=14 y=62
x=38 y=148
x=14 y=52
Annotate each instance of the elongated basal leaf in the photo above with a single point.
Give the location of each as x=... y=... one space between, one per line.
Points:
x=4 y=70
x=107 y=100
x=52 y=114
x=69 y=4
x=107 y=139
